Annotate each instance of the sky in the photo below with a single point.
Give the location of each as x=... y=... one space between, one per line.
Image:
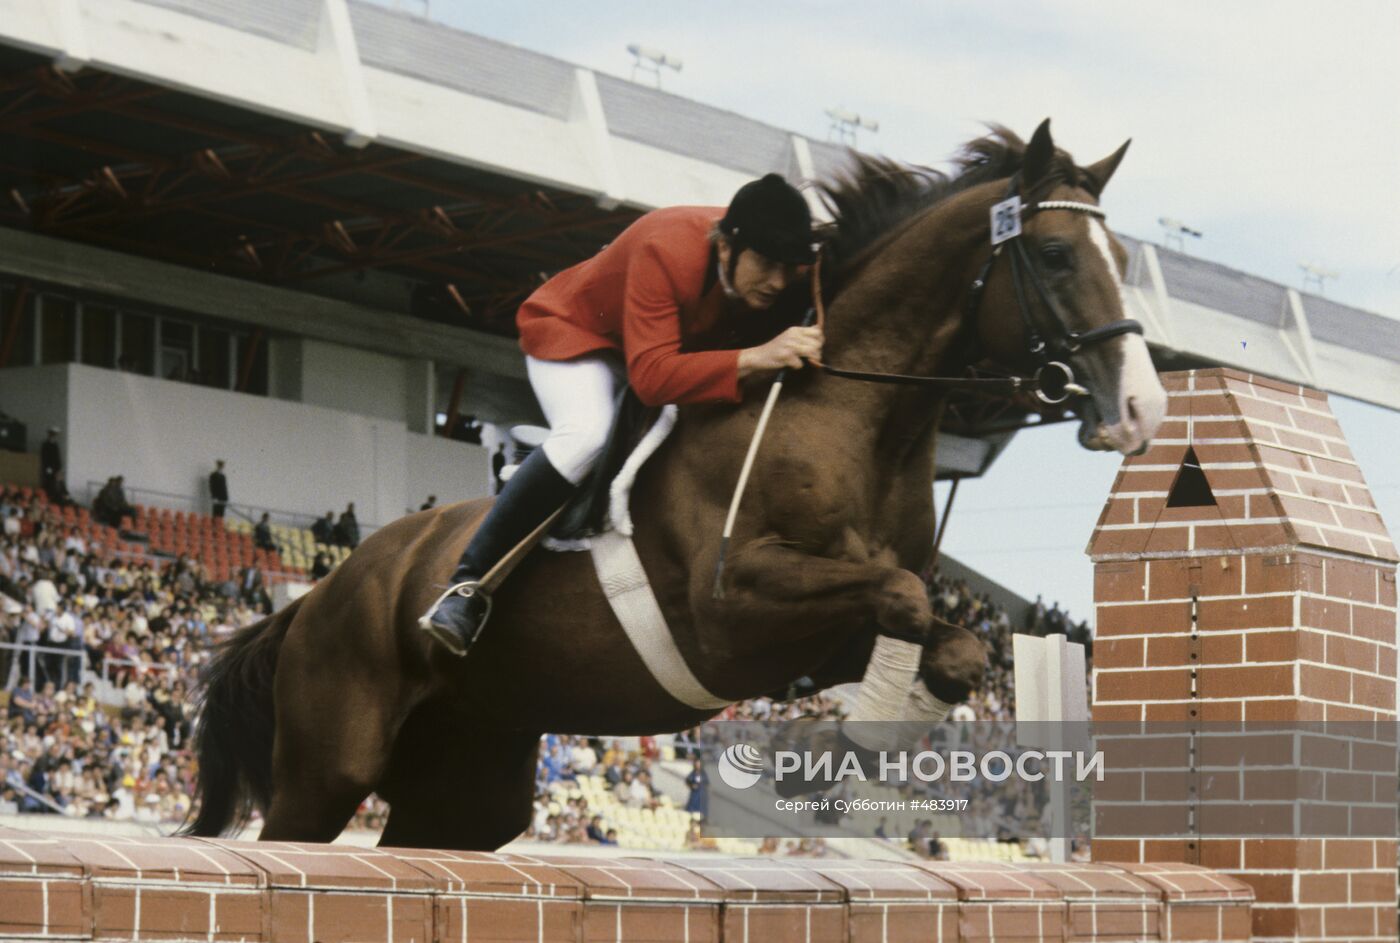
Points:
x=1271 y=126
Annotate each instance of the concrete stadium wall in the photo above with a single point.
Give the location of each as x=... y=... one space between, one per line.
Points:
x=164 y=436
x=115 y=888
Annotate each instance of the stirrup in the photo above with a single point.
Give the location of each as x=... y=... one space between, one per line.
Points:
x=466 y=590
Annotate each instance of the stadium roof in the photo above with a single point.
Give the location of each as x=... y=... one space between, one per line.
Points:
x=303 y=144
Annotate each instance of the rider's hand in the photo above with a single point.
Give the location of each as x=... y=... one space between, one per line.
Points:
x=788 y=349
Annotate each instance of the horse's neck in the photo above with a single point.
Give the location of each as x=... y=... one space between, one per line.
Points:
x=905 y=313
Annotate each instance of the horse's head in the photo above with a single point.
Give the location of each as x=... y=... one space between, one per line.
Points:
x=1061 y=287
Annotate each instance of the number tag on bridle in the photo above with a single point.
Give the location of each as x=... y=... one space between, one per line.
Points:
x=1006 y=220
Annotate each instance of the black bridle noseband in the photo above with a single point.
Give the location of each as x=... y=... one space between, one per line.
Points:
x=1053 y=381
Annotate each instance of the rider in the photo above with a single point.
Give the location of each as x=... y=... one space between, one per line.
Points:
x=671 y=276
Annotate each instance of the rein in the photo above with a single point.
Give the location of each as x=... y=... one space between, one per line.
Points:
x=1053 y=382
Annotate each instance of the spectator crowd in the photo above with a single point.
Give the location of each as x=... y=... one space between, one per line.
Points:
x=98 y=719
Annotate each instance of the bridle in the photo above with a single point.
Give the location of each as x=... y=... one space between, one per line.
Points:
x=1054 y=380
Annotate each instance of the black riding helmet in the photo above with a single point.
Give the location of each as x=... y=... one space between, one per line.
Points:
x=772 y=218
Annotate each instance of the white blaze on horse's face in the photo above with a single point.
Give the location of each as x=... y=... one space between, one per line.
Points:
x=1129 y=401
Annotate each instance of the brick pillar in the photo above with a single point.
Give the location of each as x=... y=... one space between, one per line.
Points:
x=1243 y=574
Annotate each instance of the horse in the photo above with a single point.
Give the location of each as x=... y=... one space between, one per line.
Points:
x=339 y=694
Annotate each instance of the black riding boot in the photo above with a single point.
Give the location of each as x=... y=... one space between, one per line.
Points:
x=533 y=493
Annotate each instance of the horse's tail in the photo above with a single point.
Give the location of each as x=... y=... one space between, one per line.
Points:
x=233 y=736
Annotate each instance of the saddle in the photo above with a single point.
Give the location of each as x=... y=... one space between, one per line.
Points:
x=587 y=515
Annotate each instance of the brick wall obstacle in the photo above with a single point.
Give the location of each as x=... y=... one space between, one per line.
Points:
x=1244 y=580
x=119 y=888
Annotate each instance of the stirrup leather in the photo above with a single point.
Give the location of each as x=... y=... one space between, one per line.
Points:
x=466 y=590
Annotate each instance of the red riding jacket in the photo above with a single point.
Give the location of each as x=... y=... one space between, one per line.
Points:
x=648 y=290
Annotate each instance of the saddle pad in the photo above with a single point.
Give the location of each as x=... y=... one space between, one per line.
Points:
x=619 y=492
x=629 y=593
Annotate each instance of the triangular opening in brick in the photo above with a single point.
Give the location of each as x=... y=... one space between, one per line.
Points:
x=1190 y=489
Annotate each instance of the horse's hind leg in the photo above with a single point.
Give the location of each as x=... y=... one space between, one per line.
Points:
x=337 y=714
x=465 y=785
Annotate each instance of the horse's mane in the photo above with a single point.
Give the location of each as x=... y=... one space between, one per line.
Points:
x=877 y=196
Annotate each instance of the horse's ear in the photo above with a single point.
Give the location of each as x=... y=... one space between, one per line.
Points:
x=1097 y=175
x=1040 y=152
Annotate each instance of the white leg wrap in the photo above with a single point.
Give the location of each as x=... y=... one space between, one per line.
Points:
x=884 y=692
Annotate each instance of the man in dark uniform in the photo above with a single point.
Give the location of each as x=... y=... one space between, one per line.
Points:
x=50 y=461
x=218 y=489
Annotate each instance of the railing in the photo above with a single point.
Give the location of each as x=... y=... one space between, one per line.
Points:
x=15 y=670
x=24 y=790
x=200 y=504
x=138 y=667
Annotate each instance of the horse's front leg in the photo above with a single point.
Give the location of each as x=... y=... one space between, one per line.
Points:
x=793 y=595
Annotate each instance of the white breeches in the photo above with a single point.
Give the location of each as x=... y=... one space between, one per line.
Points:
x=578 y=398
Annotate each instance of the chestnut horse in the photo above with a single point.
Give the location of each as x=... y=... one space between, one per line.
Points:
x=339 y=694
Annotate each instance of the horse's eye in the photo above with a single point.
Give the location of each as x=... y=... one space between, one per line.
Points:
x=1056 y=256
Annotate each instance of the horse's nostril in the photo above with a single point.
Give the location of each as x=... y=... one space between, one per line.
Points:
x=1133 y=416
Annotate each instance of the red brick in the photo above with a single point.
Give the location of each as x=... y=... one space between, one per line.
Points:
x=1225 y=454
x=1217 y=537
x=1142 y=685
x=1348 y=854
x=1142 y=619
x=1166 y=651
x=1261 y=536
x=1385 y=662
x=1276 y=711
x=1222 y=854
x=1312 y=646
x=1168 y=713
x=1220 y=429
x=1220 y=648
x=1174 y=850
x=1257 y=612
x=1343 y=470
x=1368 y=522
x=1275 y=921
x=1116 y=849
x=1387 y=588
x=1273 y=854
x=1212 y=404
x=1117 y=541
x=1218 y=576
x=1247 y=681
x=1284 y=461
x=1324 y=684
x=1270 y=646
x=1237 y=479
x=1119 y=653
x=1160 y=453
x=1269 y=888
x=1119 y=582
x=1300 y=441
x=1373 y=692
x=1340 y=922
x=1372 y=622
x=1351 y=653
x=1168 y=539
x=1168 y=579
x=1279 y=573
x=1221 y=711
x=1324 y=489
x=1323 y=889
x=1134 y=481
x=1329 y=614
x=1349 y=579
x=1373 y=887
x=1317 y=425
x=1116 y=713
x=1119 y=511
